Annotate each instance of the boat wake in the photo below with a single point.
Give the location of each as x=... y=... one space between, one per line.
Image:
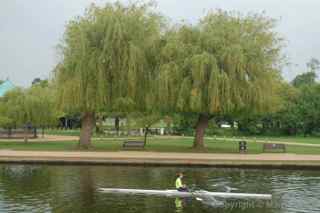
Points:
x=212 y=202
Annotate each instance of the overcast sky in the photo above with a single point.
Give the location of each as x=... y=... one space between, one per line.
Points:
x=30 y=29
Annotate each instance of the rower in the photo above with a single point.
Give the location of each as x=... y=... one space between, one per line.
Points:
x=179 y=186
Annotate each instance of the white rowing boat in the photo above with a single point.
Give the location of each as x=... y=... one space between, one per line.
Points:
x=175 y=193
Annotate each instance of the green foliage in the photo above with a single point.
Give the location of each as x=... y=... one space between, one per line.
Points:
x=146 y=120
x=5 y=121
x=121 y=59
x=308 y=106
x=41 y=106
x=14 y=111
x=39 y=82
x=226 y=64
x=304 y=79
x=288 y=115
x=184 y=123
x=308 y=77
x=313 y=65
x=108 y=59
x=35 y=106
x=298 y=113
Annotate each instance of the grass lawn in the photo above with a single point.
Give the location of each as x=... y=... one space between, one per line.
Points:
x=63 y=132
x=294 y=139
x=153 y=144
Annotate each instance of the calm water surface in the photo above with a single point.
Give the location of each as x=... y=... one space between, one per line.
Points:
x=43 y=188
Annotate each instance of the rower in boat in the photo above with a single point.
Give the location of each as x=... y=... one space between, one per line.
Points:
x=179 y=185
x=176 y=193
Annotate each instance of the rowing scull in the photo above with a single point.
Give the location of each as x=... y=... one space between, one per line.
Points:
x=175 y=193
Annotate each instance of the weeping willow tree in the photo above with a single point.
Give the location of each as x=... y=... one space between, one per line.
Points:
x=12 y=109
x=34 y=106
x=226 y=64
x=40 y=106
x=107 y=63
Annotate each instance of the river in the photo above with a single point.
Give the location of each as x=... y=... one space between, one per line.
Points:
x=53 y=188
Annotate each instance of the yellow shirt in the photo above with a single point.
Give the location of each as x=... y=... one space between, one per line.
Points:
x=178 y=183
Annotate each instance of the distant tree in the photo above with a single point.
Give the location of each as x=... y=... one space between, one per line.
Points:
x=13 y=104
x=313 y=65
x=146 y=120
x=287 y=119
x=35 y=106
x=310 y=76
x=36 y=81
x=14 y=109
x=184 y=123
x=41 y=107
x=299 y=111
x=1 y=81
x=307 y=78
x=308 y=106
x=5 y=121
x=228 y=64
x=42 y=83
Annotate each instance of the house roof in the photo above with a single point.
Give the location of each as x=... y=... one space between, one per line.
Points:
x=5 y=87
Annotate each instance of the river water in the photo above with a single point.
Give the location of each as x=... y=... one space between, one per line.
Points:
x=50 y=188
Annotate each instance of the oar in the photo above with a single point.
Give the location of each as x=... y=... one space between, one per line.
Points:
x=192 y=191
x=196 y=196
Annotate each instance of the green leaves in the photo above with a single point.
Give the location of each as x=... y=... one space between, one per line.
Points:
x=35 y=105
x=105 y=58
x=125 y=59
x=227 y=63
x=14 y=108
x=304 y=79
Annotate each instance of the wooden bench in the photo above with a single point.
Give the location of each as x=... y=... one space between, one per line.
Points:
x=133 y=145
x=274 y=146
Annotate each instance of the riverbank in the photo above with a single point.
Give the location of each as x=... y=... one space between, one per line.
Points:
x=154 y=144
x=162 y=159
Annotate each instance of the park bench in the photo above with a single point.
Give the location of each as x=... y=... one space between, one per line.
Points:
x=274 y=146
x=133 y=145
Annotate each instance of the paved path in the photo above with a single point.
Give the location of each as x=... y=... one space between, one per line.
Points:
x=51 y=138
x=156 y=158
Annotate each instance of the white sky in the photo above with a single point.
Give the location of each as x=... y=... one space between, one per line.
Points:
x=30 y=30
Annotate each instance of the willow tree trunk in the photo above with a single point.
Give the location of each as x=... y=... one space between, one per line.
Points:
x=87 y=125
x=202 y=124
